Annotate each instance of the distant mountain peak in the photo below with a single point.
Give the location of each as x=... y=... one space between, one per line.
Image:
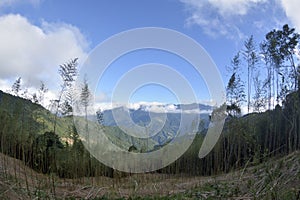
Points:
x=157 y=107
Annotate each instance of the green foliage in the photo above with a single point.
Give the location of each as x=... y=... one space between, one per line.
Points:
x=16 y=87
x=247 y=140
x=27 y=134
x=280 y=46
x=235 y=90
x=46 y=147
x=68 y=72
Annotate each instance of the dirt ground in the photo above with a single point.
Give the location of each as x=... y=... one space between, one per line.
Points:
x=278 y=176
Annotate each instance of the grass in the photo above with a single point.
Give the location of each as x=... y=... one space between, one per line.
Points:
x=276 y=179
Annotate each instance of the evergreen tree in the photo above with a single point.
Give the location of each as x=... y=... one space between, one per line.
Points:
x=235 y=88
x=280 y=46
x=16 y=87
x=85 y=96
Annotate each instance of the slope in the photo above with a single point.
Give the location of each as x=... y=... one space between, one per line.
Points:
x=274 y=179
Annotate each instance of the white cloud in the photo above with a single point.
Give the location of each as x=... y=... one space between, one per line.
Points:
x=297 y=52
x=227 y=17
x=4 y=3
x=35 y=53
x=5 y=85
x=155 y=107
x=234 y=7
x=291 y=8
x=224 y=8
x=220 y=17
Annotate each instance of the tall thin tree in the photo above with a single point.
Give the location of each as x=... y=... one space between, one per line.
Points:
x=16 y=87
x=251 y=57
x=235 y=88
x=67 y=72
x=41 y=93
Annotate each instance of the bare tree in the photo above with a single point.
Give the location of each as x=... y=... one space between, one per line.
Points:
x=41 y=93
x=267 y=60
x=259 y=98
x=251 y=57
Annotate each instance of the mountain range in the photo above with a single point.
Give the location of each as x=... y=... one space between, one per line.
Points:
x=39 y=120
x=125 y=117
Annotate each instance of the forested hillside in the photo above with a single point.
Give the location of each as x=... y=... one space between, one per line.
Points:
x=48 y=142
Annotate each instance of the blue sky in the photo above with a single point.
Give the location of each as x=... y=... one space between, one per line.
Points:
x=38 y=35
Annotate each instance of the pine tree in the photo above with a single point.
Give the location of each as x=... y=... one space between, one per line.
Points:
x=85 y=96
x=16 y=87
x=235 y=88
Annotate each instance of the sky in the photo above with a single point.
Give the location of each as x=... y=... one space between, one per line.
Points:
x=36 y=36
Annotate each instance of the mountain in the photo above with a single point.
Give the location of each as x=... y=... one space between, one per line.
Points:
x=141 y=114
x=169 y=115
x=20 y=118
x=19 y=115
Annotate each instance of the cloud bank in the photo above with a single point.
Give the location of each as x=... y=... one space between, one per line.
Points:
x=154 y=107
x=35 y=52
x=291 y=8
x=5 y=3
x=219 y=17
x=228 y=18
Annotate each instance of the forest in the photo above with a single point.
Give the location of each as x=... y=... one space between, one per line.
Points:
x=262 y=127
